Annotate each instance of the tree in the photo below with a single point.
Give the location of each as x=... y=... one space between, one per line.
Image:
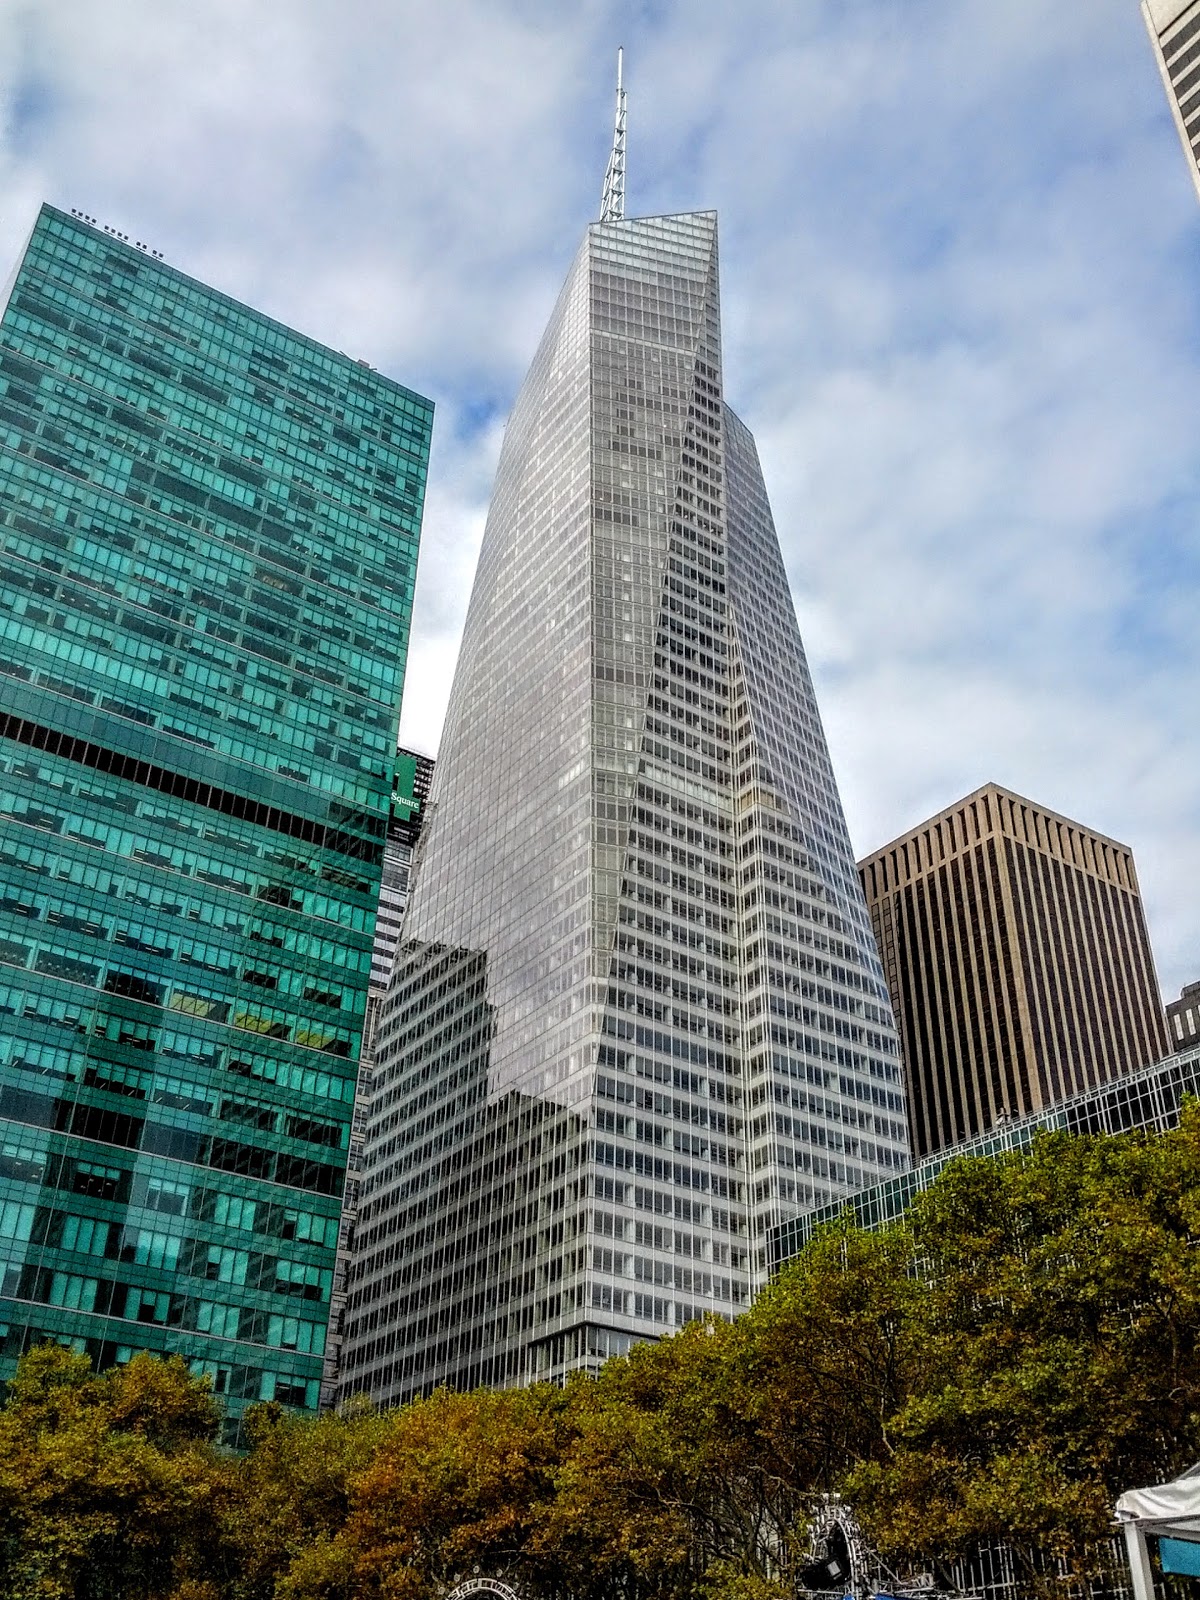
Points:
x=1060 y=1320
x=998 y=1366
x=105 y=1481
x=621 y=1521
x=283 y=1505
x=695 y=1461
x=450 y=1484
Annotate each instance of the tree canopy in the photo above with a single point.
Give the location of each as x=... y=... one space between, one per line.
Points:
x=999 y=1366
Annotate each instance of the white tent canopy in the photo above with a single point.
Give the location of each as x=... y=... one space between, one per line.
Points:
x=1170 y=1510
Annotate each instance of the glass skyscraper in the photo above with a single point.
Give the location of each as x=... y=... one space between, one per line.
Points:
x=637 y=1016
x=208 y=535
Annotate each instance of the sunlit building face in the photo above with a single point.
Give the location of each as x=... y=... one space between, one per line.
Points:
x=637 y=1015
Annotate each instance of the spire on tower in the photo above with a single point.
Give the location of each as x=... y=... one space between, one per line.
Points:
x=612 y=204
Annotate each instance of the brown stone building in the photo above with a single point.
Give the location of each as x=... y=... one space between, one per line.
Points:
x=1183 y=1018
x=1017 y=956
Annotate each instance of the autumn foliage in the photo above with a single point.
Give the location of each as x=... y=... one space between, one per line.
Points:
x=1024 y=1347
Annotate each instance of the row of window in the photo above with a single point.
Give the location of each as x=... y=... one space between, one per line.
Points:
x=160 y=1190
x=134 y=629
x=101 y=661
x=116 y=334
x=71 y=1064
x=162 y=564
x=195 y=998
x=103 y=377
x=347 y=531
x=158 y=1136
x=272 y=956
x=66 y=250
x=41 y=1015
x=44 y=1231
x=243 y=457
x=152 y=846
x=237 y=1382
x=109 y=1297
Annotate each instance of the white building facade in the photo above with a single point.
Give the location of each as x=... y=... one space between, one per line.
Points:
x=637 y=1017
x=1174 y=27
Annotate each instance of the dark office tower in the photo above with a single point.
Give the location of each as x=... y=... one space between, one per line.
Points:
x=1183 y=1018
x=1174 y=27
x=208 y=528
x=413 y=776
x=1018 y=961
x=637 y=1012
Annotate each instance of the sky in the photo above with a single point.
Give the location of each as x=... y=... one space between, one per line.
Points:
x=961 y=306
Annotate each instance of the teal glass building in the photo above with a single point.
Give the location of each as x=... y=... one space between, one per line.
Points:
x=208 y=539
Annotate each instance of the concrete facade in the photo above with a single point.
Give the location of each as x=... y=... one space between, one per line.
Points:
x=1017 y=956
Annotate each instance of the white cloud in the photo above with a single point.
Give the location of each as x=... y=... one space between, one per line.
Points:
x=961 y=315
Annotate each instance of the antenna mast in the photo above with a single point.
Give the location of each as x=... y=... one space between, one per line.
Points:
x=612 y=204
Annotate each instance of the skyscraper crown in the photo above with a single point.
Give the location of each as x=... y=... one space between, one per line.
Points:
x=612 y=201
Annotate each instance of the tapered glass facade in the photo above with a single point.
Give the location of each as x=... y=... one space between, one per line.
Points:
x=208 y=536
x=637 y=1015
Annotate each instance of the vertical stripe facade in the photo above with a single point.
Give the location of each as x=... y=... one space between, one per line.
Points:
x=1017 y=955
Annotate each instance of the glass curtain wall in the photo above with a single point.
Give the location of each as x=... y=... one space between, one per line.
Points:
x=637 y=1016
x=208 y=537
